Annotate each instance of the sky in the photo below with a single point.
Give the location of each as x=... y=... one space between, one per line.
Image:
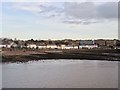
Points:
x=48 y=19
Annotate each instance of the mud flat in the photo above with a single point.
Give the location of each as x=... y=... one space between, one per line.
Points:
x=82 y=54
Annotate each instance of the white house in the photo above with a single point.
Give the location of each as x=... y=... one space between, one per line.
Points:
x=117 y=47
x=61 y=46
x=1 y=46
x=88 y=46
x=42 y=47
x=8 y=46
x=5 y=46
x=13 y=44
x=52 y=46
x=75 y=47
x=68 y=47
x=32 y=46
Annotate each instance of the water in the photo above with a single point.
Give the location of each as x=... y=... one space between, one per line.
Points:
x=60 y=74
x=0 y=76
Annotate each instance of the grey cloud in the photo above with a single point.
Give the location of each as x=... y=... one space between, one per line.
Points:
x=85 y=22
x=108 y=10
x=79 y=13
x=88 y=11
x=50 y=11
x=80 y=10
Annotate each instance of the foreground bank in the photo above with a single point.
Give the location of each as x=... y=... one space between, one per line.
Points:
x=93 y=54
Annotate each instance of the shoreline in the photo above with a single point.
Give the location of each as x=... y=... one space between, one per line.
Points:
x=83 y=54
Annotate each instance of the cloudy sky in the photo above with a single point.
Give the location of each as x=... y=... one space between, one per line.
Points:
x=59 y=20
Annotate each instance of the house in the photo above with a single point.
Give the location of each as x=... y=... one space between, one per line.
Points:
x=41 y=47
x=32 y=46
x=89 y=44
x=22 y=44
x=3 y=46
x=14 y=45
x=86 y=42
x=75 y=47
x=52 y=46
x=107 y=43
x=117 y=44
x=68 y=47
x=62 y=46
x=117 y=47
x=100 y=42
x=8 y=45
x=110 y=42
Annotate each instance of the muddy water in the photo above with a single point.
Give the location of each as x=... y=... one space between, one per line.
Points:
x=60 y=74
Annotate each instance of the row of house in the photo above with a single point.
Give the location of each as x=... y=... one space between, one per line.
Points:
x=52 y=46
x=62 y=46
x=66 y=44
x=8 y=45
x=34 y=46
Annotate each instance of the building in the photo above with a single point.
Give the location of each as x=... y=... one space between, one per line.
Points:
x=107 y=43
x=14 y=45
x=68 y=47
x=88 y=44
x=41 y=45
x=8 y=45
x=116 y=42
x=100 y=42
x=75 y=47
x=62 y=46
x=52 y=46
x=110 y=43
x=3 y=46
x=34 y=46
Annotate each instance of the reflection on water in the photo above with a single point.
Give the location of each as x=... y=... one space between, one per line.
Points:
x=61 y=74
x=0 y=76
